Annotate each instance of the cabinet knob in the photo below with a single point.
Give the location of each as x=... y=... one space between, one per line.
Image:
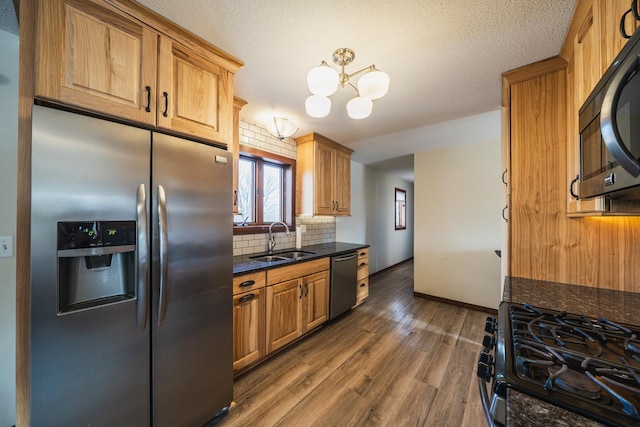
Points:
x=247 y=283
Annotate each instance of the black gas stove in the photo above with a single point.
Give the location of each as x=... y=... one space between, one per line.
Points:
x=590 y=366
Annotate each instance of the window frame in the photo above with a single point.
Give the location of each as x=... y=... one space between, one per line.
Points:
x=289 y=190
x=404 y=211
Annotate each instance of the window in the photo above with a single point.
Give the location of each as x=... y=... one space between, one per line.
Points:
x=265 y=191
x=401 y=209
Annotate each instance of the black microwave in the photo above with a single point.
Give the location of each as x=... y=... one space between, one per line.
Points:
x=610 y=130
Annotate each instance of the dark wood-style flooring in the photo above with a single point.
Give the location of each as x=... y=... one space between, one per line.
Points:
x=396 y=360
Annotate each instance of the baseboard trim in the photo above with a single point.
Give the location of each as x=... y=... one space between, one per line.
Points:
x=390 y=267
x=457 y=303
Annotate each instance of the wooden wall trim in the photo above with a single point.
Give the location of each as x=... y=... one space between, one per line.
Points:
x=23 y=230
x=457 y=303
x=534 y=70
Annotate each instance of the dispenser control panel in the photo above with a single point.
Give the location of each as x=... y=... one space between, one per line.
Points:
x=91 y=234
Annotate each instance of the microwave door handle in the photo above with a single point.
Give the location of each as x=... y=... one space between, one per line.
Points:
x=609 y=122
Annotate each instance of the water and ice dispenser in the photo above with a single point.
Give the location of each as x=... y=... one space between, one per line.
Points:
x=96 y=264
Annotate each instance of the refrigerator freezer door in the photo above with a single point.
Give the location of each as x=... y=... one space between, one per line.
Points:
x=88 y=366
x=192 y=322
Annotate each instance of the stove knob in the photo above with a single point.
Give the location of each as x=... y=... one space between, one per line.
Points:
x=490 y=326
x=488 y=342
x=486 y=358
x=484 y=371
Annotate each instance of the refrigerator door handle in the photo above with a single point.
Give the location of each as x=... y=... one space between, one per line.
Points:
x=162 y=224
x=142 y=302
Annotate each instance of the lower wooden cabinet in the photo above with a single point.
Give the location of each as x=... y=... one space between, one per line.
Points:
x=248 y=319
x=284 y=313
x=274 y=308
x=315 y=307
x=362 y=291
x=248 y=328
x=297 y=301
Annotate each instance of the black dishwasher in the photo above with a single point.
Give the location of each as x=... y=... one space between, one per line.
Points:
x=344 y=270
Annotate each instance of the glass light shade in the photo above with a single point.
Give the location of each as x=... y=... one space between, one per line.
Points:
x=359 y=107
x=317 y=106
x=281 y=127
x=374 y=84
x=322 y=80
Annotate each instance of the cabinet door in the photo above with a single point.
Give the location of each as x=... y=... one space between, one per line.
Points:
x=93 y=57
x=342 y=182
x=611 y=12
x=324 y=167
x=248 y=328
x=284 y=314
x=195 y=96
x=315 y=310
x=587 y=60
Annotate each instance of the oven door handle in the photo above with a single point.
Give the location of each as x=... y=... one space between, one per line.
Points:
x=484 y=398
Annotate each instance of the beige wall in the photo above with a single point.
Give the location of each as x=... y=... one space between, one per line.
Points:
x=457 y=222
x=8 y=176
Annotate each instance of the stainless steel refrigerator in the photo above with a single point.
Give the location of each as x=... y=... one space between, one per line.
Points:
x=131 y=275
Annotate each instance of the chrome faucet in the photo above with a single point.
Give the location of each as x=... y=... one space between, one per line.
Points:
x=272 y=237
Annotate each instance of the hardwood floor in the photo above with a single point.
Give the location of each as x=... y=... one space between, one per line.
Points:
x=396 y=360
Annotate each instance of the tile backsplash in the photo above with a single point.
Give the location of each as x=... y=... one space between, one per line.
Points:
x=318 y=229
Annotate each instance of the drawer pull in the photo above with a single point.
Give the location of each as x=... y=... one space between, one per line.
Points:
x=362 y=285
x=247 y=298
x=363 y=253
x=247 y=283
x=362 y=264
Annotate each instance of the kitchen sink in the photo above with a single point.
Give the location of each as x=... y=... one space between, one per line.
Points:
x=295 y=254
x=282 y=256
x=269 y=258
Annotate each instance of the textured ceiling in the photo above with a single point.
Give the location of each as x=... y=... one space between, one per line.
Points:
x=8 y=21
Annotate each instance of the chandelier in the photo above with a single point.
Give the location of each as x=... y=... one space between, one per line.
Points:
x=323 y=82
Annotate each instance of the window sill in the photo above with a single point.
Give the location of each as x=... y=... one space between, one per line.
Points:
x=261 y=229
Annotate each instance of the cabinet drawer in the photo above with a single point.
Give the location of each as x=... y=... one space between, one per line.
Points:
x=248 y=282
x=363 y=253
x=362 y=291
x=363 y=268
x=277 y=275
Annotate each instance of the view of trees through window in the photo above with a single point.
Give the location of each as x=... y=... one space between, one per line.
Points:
x=260 y=190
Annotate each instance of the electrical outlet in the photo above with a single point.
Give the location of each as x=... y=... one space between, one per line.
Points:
x=6 y=246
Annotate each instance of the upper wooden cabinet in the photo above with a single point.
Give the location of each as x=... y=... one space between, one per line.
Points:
x=118 y=58
x=323 y=177
x=91 y=56
x=194 y=96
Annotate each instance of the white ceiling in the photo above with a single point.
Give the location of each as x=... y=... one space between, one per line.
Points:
x=444 y=57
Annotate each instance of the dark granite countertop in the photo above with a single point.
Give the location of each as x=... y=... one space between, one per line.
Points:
x=617 y=306
x=244 y=264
